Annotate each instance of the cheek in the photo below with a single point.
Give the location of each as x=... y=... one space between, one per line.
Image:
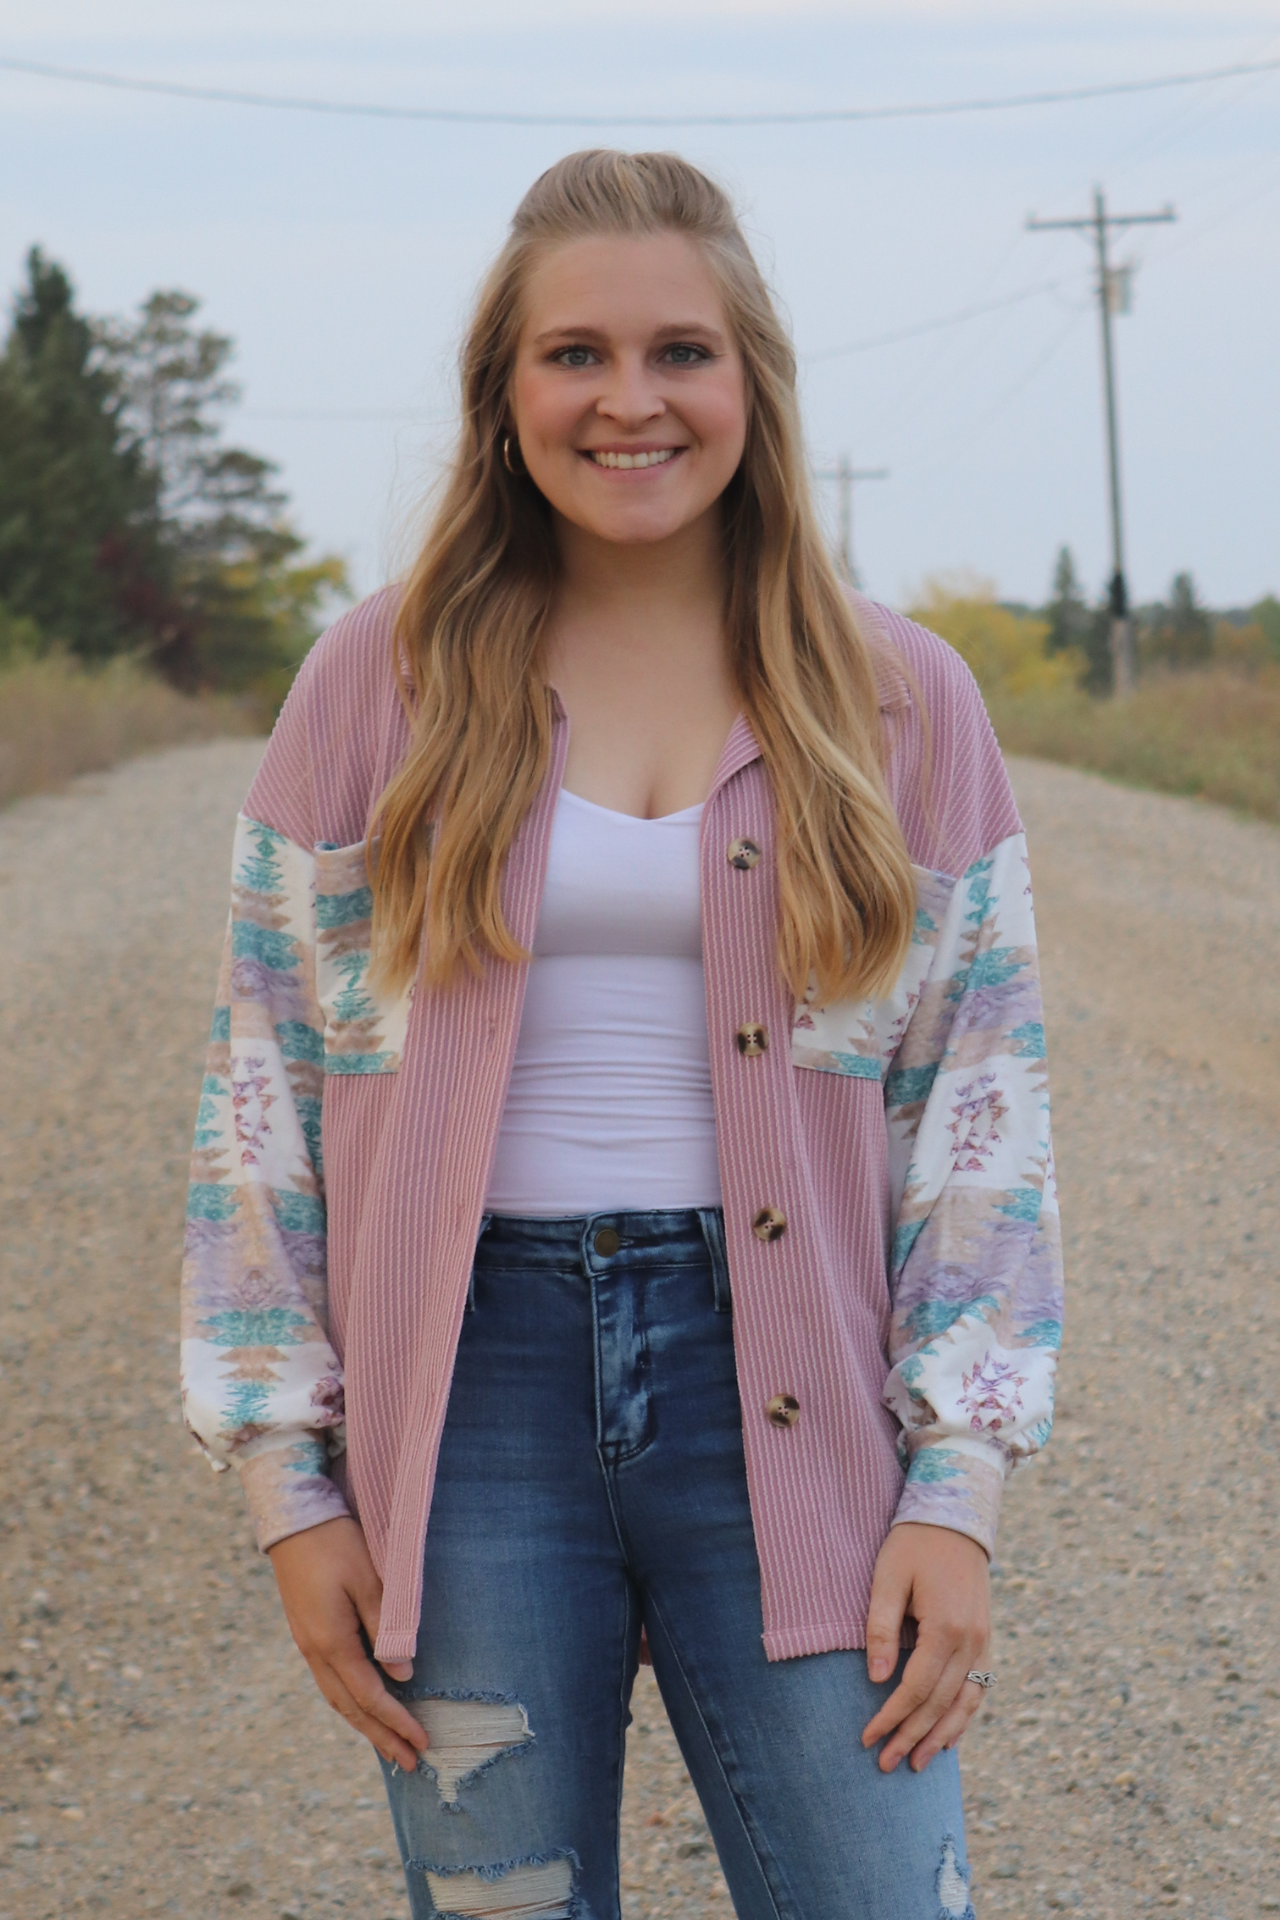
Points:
x=542 y=409
x=720 y=419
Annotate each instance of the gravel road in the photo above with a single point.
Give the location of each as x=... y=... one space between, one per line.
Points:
x=161 y=1748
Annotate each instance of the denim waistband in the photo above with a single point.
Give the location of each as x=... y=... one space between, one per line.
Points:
x=674 y=1237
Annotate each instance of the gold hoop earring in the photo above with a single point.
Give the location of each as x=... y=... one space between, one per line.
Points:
x=507 y=439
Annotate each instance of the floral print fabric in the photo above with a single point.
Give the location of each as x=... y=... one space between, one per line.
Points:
x=975 y=1269
x=261 y=1384
x=958 y=1046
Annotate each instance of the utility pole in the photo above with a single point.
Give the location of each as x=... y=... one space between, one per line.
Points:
x=845 y=475
x=1113 y=297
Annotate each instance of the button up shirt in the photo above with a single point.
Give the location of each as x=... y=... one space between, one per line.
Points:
x=890 y=1213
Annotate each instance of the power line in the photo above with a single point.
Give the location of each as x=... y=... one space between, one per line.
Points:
x=932 y=326
x=458 y=116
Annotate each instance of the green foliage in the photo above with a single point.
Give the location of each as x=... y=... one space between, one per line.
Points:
x=1077 y=628
x=1266 y=615
x=20 y=638
x=1179 y=634
x=126 y=525
x=1007 y=651
x=77 y=501
x=1067 y=613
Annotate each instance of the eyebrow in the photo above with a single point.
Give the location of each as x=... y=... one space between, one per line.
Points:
x=677 y=330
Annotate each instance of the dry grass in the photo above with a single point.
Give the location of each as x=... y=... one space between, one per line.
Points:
x=57 y=720
x=1213 y=733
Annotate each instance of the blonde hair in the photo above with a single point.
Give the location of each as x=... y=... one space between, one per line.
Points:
x=476 y=602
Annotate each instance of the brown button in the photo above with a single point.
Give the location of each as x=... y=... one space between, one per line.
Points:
x=752 y=1039
x=769 y=1224
x=783 y=1410
x=606 y=1242
x=743 y=854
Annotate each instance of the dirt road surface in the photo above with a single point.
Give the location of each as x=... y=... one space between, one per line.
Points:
x=162 y=1750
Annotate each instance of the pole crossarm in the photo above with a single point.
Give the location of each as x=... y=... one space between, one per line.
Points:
x=846 y=473
x=1089 y=224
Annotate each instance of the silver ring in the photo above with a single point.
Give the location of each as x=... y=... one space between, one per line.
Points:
x=983 y=1680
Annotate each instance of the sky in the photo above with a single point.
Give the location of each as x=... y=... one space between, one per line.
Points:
x=342 y=254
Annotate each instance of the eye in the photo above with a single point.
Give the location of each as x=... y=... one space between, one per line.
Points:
x=685 y=353
x=573 y=357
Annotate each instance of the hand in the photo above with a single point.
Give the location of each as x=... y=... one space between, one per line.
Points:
x=330 y=1589
x=941 y=1578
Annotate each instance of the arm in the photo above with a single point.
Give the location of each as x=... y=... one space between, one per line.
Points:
x=975 y=1285
x=262 y=1387
x=975 y=1273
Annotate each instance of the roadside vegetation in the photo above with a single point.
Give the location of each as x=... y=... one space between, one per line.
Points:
x=153 y=589
x=152 y=586
x=1203 y=720
x=58 y=719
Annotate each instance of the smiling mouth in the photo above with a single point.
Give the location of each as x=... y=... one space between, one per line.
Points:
x=658 y=457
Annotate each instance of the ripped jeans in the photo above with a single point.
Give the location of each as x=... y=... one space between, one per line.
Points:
x=591 y=1481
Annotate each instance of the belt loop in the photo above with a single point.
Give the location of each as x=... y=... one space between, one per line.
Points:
x=486 y=1221
x=711 y=1220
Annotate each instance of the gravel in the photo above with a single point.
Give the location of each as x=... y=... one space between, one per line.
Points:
x=162 y=1749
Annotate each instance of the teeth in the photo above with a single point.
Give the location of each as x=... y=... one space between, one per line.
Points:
x=658 y=458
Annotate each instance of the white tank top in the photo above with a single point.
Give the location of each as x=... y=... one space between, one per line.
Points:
x=610 y=1108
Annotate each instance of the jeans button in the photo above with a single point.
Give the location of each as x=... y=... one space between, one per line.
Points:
x=783 y=1410
x=606 y=1242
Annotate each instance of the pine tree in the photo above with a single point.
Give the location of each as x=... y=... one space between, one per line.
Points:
x=1067 y=613
x=1179 y=634
x=78 y=503
x=246 y=608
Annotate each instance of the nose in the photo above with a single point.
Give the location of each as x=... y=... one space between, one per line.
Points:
x=631 y=399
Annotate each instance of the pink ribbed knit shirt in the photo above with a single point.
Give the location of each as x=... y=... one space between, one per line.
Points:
x=912 y=1301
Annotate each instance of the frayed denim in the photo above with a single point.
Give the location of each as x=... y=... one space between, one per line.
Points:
x=591 y=1482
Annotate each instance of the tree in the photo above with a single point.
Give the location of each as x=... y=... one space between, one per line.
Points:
x=245 y=608
x=78 y=502
x=1181 y=633
x=1067 y=614
x=1075 y=626
x=1266 y=614
x=126 y=525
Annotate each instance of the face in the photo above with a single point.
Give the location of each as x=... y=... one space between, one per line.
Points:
x=628 y=398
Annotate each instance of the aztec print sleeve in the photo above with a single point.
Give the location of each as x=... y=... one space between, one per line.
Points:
x=976 y=1269
x=262 y=1387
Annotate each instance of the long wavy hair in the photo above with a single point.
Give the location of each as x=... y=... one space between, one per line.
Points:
x=475 y=606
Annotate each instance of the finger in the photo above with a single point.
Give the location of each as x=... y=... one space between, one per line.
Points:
x=363 y=1683
x=398 y=1669
x=919 y=1724
x=949 y=1729
x=382 y=1738
x=890 y=1591
x=920 y=1676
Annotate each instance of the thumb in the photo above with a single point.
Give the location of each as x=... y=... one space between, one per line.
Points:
x=367 y=1596
x=890 y=1591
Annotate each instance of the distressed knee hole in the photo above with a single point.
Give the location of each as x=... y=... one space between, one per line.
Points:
x=529 y=1890
x=466 y=1736
x=953 y=1885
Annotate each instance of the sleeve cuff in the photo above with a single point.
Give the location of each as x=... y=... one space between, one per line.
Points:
x=288 y=1488
x=958 y=1486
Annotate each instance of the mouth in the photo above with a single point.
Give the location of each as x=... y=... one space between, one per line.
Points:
x=626 y=462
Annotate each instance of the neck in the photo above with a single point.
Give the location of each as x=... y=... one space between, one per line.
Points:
x=669 y=582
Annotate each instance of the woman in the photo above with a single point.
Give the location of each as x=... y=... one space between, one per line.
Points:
x=640 y=929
